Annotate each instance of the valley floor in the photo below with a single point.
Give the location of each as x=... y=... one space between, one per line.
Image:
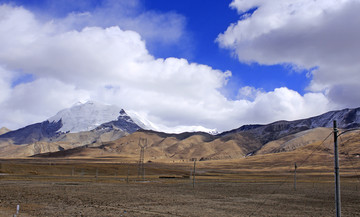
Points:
x=88 y=188
x=173 y=199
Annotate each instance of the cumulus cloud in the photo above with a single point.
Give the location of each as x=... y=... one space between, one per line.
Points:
x=155 y=27
x=109 y=64
x=30 y=102
x=321 y=36
x=249 y=93
x=5 y=84
x=274 y=104
x=113 y=65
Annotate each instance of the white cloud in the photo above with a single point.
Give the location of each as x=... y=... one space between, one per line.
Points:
x=273 y=105
x=113 y=66
x=108 y=64
x=155 y=27
x=249 y=93
x=5 y=84
x=36 y=101
x=323 y=34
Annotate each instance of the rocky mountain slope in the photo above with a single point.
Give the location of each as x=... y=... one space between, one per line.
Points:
x=121 y=136
x=82 y=124
x=295 y=141
x=165 y=147
x=184 y=147
x=346 y=119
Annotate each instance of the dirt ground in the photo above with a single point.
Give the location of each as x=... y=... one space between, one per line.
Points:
x=176 y=198
x=98 y=187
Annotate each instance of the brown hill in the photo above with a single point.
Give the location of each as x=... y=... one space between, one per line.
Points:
x=172 y=147
x=349 y=144
x=183 y=147
x=8 y=148
x=248 y=140
x=313 y=157
x=294 y=141
x=4 y=130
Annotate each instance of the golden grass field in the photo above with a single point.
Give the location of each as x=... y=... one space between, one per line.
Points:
x=260 y=185
x=107 y=184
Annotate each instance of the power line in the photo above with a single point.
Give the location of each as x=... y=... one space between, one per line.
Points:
x=285 y=181
x=351 y=162
x=354 y=129
x=315 y=150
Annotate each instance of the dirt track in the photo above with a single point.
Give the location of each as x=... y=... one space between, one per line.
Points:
x=173 y=199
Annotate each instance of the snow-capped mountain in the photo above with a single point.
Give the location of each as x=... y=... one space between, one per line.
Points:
x=92 y=117
x=87 y=116
x=143 y=121
x=95 y=121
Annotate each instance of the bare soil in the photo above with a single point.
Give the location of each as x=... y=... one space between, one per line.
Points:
x=66 y=187
x=173 y=199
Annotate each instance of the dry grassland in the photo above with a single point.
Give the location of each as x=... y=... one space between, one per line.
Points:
x=254 y=186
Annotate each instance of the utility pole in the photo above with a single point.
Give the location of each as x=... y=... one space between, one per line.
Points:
x=194 y=172
x=295 y=177
x=127 y=177
x=337 y=177
x=141 y=170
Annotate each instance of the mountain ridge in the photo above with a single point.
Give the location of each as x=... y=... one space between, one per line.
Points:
x=83 y=116
x=346 y=119
x=244 y=141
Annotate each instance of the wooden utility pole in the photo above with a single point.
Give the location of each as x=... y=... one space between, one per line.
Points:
x=295 y=177
x=194 y=172
x=337 y=177
x=127 y=177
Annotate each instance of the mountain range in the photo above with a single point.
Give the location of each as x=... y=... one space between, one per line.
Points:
x=91 y=120
x=94 y=128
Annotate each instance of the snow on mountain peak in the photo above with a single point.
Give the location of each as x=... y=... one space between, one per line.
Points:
x=89 y=115
x=86 y=116
x=142 y=120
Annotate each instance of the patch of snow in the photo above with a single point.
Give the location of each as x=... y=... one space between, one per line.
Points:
x=181 y=129
x=85 y=116
x=143 y=121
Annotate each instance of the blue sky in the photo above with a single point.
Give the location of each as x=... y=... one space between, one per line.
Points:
x=201 y=30
x=204 y=27
x=286 y=59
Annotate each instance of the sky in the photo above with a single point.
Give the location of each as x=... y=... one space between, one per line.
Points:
x=182 y=65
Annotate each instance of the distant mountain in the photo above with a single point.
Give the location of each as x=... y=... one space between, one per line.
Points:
x=146 y=124
x=116 y=136
x=91 y=117
x=85 y=116
x=163 y=147
x=346 y=119
x=4 y=130
x=295 y=141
